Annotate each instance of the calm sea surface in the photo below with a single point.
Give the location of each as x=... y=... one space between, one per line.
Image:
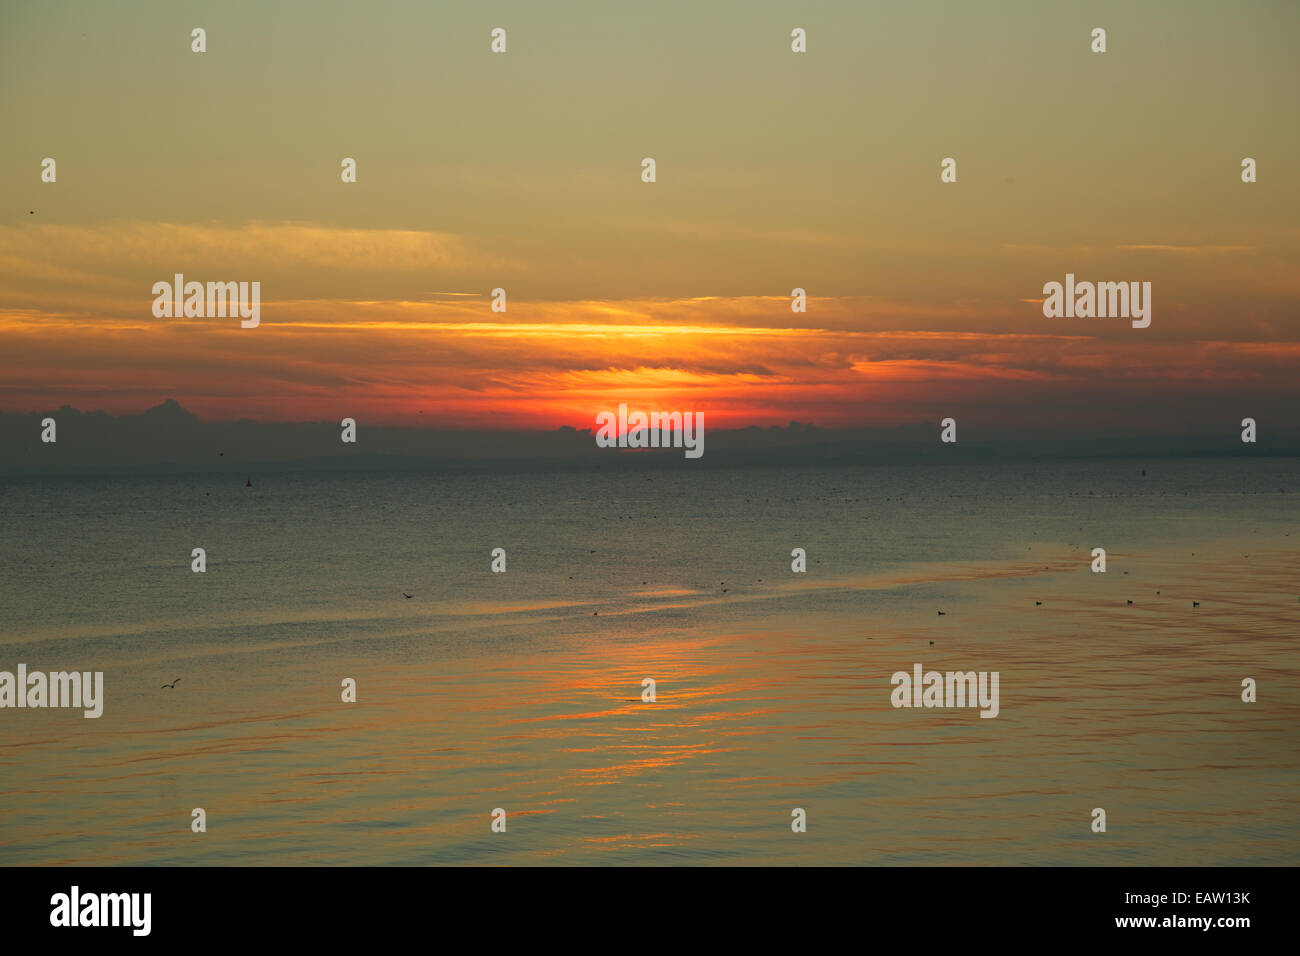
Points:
x=522 y=690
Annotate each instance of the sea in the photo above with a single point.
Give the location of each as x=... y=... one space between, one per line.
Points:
x=520 y=698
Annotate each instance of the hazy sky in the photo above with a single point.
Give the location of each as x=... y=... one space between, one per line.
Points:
x=775 y=170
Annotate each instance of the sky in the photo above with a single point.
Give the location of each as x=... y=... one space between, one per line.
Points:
x=775 y=170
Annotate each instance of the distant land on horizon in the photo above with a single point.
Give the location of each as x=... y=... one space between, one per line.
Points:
x=168 y=438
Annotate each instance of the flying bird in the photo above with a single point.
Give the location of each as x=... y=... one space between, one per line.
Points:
x=405 y=595
x=171 y=685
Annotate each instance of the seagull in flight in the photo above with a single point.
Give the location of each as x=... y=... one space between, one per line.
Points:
x=405 y=595
x=172 y=684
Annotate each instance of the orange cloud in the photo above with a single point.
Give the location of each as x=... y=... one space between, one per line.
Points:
x=558 y=363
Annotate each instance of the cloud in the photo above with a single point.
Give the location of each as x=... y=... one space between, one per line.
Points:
x=109 y=268
x=550 y=363
x=220 y=247
x=1198 y=249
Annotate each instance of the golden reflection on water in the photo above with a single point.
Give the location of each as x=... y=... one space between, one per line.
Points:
x=1134 y=708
